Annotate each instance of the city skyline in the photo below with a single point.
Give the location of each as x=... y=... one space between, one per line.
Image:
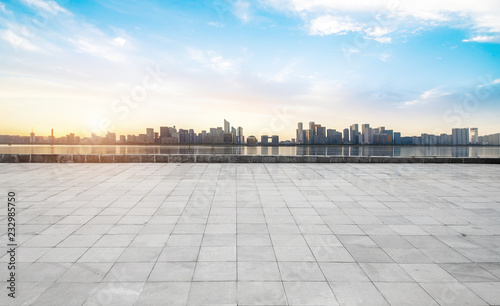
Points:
x=312 y=134
x=102 y=65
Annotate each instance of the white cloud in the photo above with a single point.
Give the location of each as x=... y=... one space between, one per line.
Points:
x=242 y=10
x=484 y=38
x=17 y=42
x=120 y=42
x=427 y=96
x=479 y=17
x=4 y=9
x=327 y=25
x=46 y=6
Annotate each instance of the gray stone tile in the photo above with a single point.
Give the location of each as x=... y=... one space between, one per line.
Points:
x=179 y=254
x=293 y=254
x=452 y=294
x=215 y=271
x=117 y=294
x=369 y=254
x=385 y=272
x=427 y=273
x=405 y=294
x=165 y=293
x=300 y=271
x=258 y=271
x=86 y=272
x=172 y=272
x=66 y=294
x=129 y=272
x=144 y=254
x=331 y=254
x=357 y=293
x=469 y=272
x=221 y=253
x=343 y=272
x=213 y=293
x=43 y=272
x=256 y=254
x=261 y=293
x=488 y=291
x=309 y=293
x=101 y=255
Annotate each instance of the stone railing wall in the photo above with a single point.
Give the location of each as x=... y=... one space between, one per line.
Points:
x=223 y=158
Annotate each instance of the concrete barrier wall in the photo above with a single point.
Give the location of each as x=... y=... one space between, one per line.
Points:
x=213 y=158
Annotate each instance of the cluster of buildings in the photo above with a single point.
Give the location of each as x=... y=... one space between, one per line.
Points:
x=315 y=134
x=170 y=135
x=166 y=135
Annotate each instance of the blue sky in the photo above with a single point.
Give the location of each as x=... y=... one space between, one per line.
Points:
x=94 y=66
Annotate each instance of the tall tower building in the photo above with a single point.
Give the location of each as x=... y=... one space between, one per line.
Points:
x=239 y=134
x=227 y=127
x=300 y=133
x=150 y=135
x=346 y=136
x=32 y=136
x=354 y=134
x=365 y=130
x=474 y=136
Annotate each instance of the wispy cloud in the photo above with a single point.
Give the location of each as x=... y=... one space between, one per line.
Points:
x=484 y=39
x=46 y=6
x=404 y=16
x=426 y=97
x=212 y=60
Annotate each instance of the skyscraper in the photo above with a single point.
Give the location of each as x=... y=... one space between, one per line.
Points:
x=150 y=134
x=239 y=134
x=460 y=136
x=300 y=133
x=354 y=134
x=227 y=127
x=474 y=136
x=346 y=136
x=365 y=130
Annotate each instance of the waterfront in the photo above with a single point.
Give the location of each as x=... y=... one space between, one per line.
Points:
x=402 y=151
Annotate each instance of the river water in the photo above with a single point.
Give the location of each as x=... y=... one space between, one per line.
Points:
x=404 y=151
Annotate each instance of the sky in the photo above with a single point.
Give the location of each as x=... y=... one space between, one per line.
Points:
x=122 y=66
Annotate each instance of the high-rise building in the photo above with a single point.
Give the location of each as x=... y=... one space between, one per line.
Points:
x=365 y=134
x=32 y=137
x=227 y=127
x=397 y=138
x=150 y=134
x=311 y=124
x=300 y=133
x=275 y=140
x=111 y=138
x=164 y=132
x=239 y=135
x=264 y=140
x=346 y=136
x=191 y=136
x=474 y=136
x=354 y=134
x=460 y=136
